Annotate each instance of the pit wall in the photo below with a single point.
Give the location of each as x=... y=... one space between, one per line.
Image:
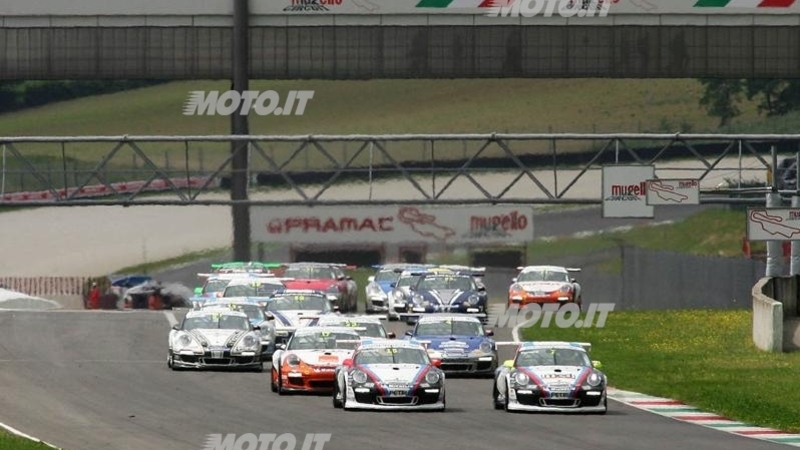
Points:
x=776 y=317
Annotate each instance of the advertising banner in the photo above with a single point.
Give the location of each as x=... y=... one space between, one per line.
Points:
x=773 y=224
x=673 y=192
x=392 y=224
x=625 y=191
x=496 y=8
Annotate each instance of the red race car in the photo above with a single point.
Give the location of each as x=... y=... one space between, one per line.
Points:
x=331 y=279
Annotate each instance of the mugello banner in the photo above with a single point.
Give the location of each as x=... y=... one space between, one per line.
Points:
x=380 y=7
x=392 y=224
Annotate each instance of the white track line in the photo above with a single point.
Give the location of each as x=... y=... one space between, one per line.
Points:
x=14 y=431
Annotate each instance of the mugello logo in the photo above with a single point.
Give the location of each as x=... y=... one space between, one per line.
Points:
x=312 y=5
x=628 y=192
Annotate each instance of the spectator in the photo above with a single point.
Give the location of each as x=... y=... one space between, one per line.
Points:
x=94 y=297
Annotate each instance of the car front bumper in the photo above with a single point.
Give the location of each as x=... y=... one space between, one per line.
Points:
x=223 y=359
x=469 y=365
x=418 y=399
x=377 y=304
x=316 y=382
x=584 y=401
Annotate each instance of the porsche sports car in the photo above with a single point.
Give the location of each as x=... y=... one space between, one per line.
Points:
x=294 y=309
x=246 y=267
x=254 y=286
x=401 y=293
x=371 y=325
x=206 y=339
x=459 y=341
x=380 y=285
x=544 y=284
x=258 y=318
x=445 y=292
x=390 y=375
x=331 y=279
x=307 y=363
x=551 y=376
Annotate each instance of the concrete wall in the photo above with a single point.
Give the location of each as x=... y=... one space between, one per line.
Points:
x=359 y=52
x=776 y=318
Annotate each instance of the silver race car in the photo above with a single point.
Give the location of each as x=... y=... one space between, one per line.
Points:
x=223 y=339
x=257 y=316
x=551 y=376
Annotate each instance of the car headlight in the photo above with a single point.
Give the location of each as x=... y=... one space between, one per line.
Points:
x=486 y=347
x=594 y=379
x=186 y=342
x=248 y=343
x=566 y=288
x=473 y=299
x=521 y=379
x=399 y=296
x=375 y=291
x=432 y=377
x=359 y=377
x=293 y=360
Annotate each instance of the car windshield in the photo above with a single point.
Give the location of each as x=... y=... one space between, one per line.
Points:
x=407 y=280
x=323 y=340
x=254 y=312
x=446 y=282
x=544 y=275
x=216 y=321
x=252 y=290
x=386 y=276
x=373 y=330
x=214 y=286
x=391 y=355
x=450 y=327
x=299 y=302
x=553 y=357
x=313 y=273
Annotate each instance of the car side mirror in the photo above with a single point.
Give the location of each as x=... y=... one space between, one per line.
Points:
x=257 y=328
x=481 y=288
x=198 y=291
x=371 y=279
x=509 y=363
x=514 y=280
x=574 y=280
x=282 y=346
x=335 y=308
x=270 y=316
x=409 y=333
x=176 y=327
x=348 y=362
x=489 y=332
x=597 y=364
x=340 y=277
x=391 y=335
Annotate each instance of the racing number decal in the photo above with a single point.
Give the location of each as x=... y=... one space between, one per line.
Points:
x=325 y=334
x=391 y=351
x=299 y=298
x=351 y=323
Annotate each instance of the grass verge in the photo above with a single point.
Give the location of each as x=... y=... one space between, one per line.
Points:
x=716 y=232
x=10 y=442
x=704 y=358
x=157 y=266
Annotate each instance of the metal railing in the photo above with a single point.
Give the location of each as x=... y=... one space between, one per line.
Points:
x=385 y=169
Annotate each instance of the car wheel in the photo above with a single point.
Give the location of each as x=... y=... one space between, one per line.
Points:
x=495 y=395
x=391 y=318
x=280 y=384
x=505 y=401
x=170 y=360
x=273 y=384
x=605 y=406
x=444 y=403
x=337 y=403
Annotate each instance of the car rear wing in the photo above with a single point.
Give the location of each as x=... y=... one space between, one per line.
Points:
x=573 y=269
x=587 y=346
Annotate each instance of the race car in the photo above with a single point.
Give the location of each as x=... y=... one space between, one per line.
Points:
x=216 y=338
x=445 y=292
x=459 y=341
x=331 y=279
x=307 y=363
x=246 y=267
x=247 y=284
x=381 y=284
x=258 y=318
x=544 y=284
x=254 y=286
x=294 y=309
x=371 y=325
x=390 y=375
x=551 y=376
x=401 y=293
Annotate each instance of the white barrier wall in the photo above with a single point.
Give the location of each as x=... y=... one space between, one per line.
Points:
x=767 y=318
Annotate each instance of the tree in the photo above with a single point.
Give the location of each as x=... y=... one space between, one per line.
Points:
x=721 y=98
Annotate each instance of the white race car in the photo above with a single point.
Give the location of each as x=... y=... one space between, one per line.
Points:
x=390 y=375
x=258 y=318
x=551 y=376
x=371 y=325
x=293 y=309
x=218 y=338
x=307 y=363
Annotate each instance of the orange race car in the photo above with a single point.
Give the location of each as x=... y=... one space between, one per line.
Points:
x=544 y=284
x=307 y=362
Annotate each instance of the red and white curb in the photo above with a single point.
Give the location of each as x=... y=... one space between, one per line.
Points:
x=686 y=413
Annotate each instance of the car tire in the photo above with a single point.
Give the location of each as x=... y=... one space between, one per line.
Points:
x=280 y=384
x=336 y=402
x=274 y=380
x=495 y=395
x=170 y=361
x=505 y=401
x=444 y=403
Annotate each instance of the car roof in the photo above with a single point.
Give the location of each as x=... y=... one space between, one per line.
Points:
x=317 y=330
x=442 y=317
x=224 y=311
x=388 y=343
x=547 y=268
x=290 y=292
x=533 y=345
x=339 y=319
x=246 y=281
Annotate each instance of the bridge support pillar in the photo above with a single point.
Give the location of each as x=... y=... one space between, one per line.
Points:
x=239 y=126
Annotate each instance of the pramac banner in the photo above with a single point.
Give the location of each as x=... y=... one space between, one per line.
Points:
x=392 y=224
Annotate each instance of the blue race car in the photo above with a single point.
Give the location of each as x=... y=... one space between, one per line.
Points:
x=381 y=285
x=459 y=341
x=445 y=292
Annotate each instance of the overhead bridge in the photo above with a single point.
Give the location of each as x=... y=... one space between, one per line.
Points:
x=360 y=39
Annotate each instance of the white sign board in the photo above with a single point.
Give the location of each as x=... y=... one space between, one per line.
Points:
x=625 y=191
x=673 y=192
x=773 y=224
x=392 y=224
